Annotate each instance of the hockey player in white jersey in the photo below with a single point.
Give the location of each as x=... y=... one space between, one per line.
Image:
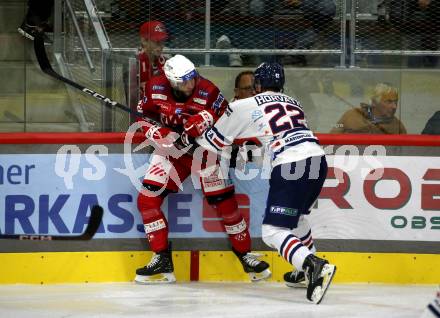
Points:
x=277 y=123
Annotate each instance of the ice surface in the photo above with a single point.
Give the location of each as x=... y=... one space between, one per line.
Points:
x=210 y=300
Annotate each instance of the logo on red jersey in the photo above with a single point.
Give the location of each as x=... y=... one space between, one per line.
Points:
x=159 y=96
x=172 y=120
x=218 y=102
x=199 y=101
x=158 y=87
x=203 y=93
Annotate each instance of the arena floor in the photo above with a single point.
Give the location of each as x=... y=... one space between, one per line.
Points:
x=210 y=300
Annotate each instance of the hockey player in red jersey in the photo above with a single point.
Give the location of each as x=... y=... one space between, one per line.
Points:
x=151 y=61
x=186 y=102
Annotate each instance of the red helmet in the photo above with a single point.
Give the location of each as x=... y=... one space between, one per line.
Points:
x=154 y=31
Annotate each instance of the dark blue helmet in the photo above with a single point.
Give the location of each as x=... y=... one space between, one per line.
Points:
x=270 y=75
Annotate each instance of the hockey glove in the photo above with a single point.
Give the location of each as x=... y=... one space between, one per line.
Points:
x=197 y=124
x=186 y=139
x=168 y=109
x=161 y=135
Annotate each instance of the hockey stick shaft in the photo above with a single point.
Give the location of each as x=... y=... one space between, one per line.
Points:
x=43 y=61
x=93 y=225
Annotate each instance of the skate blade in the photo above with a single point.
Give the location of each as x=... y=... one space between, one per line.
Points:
x=302 y=284
x=164 y=278
x=327 y=273
x=256 y=277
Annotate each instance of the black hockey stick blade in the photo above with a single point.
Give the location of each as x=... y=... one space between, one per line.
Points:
x=93 y=225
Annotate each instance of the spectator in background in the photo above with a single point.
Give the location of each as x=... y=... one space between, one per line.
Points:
x=432 y=127
x=151 y=60
x=376 y=118
x=37 y=18
x=244 y=88
x=244 y=85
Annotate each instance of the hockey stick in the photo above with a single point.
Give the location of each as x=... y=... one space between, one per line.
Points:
x=43 y=61
x=92 y=227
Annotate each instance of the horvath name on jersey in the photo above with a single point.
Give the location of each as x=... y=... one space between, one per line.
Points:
x=264 y=99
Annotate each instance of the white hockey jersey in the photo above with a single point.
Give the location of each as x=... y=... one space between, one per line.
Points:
x=271 y=120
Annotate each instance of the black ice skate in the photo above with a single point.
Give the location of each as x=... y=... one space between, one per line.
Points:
x=159 y=270
x=256 y=269
x=320 y=274
x=296 y=279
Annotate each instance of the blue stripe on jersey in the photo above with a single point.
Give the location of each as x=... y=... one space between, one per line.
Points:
x=218 y=133
x=293 y=251
x=229 y=109
x=306 y=236
x=215 y=138
x=294 y=130
x=208 y=135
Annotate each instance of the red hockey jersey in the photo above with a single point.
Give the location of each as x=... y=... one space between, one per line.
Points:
x=160 y=103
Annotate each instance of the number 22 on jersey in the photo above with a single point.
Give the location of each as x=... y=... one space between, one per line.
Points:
x=285 y=117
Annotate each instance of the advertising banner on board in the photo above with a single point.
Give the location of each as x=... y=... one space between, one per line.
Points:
x=380 y=198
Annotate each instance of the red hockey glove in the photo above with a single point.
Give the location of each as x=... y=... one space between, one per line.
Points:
x=197 y=124
x=161 y=136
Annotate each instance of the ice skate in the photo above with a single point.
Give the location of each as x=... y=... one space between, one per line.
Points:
x=159 y=270
x=296 y=279
x=256 y=269
x=320 y=274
